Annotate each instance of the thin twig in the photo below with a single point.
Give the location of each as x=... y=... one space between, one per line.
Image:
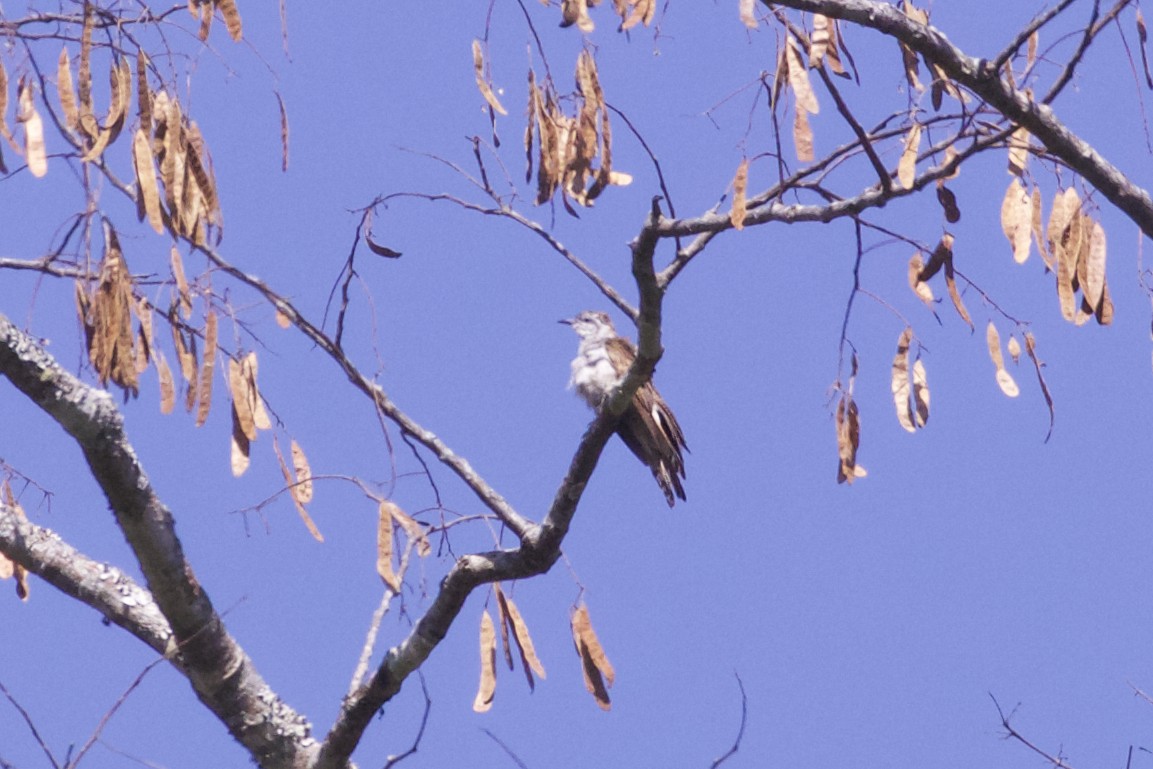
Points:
x=31 y=725
x=1011 y=733
x=741 y=730
x=507 y=750
x=394 y=760
x=112 y=711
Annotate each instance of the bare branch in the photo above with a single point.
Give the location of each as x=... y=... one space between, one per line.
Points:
x=1010 y=50
x=31 y=726
x=983 y=79
x=1011 y=733
x=740 y=730
x=103 y=587
x=112 y=712
x=223 y=676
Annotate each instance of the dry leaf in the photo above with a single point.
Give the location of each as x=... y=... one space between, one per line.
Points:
x=183 y=293
x=921 y=392
x=642 y=11
x=111 y=347
x=1004 y=378
x=740 y=185
x=528 y=658
x=948 y=202
x=1038 y=232
x=819 y=42
x=899 y=383
x=241 y=398
x=1019 y=152
x=146 y=343
x=10 y=568
x=487 y=689
x=748 y=17
x=205 y=387
x=303 y=487
x=259 y=414
x=413 y=529
x=1014 y=348
x=378 y=249
x=1007 y=384
x=912 y=66
x=205 y=10
x=941 y=254
x=384 y=549
x=1094 y=284
x=576 y=12
x=143 y=94
x=167 y=385
x=503 y=622
x=799 y=79
x=231 y=19
x=64 y=88
x=848 y=433
x=282 y=320
x=34 y=151
x=920 y=288
x=993 y=338
x=147 y=188
x=951 y=284
x=482 y=79
x=1017 y=219
x=239 y=447
x=907 y=167
x=803 y=136
x=289 y=483
x=598 y=671
x=86 y=119
x=186 y=356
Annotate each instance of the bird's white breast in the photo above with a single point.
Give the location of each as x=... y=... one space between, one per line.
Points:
x=593 y=374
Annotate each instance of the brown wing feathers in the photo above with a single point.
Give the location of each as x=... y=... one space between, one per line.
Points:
x=649 y=428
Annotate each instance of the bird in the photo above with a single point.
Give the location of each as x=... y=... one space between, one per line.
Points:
x=648 y=426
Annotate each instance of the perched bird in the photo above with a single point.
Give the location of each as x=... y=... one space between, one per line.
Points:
x=648 y=427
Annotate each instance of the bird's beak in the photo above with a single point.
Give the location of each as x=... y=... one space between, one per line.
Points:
x=567 y=321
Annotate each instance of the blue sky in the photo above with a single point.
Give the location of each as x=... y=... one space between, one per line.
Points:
x=868 y=624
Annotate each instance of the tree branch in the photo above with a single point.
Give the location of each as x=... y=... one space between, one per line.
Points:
x=105 y=588
x=540 y=545
x=982 y=78
x=221 y=674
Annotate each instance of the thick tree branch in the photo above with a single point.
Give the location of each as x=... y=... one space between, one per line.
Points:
x=105 y=588
x=984 y=79
x=221 y=674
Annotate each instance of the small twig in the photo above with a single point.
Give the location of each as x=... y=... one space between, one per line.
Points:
x=1140 y=693
x=852 y=296
x=112 y=711
x=31 y=726
x=394 y=760
x=507 y=750
x=741 y=730
x=1070 y=66
x=668 y=196
x=1026 y=32
x=1012 y=733
x=377 y=617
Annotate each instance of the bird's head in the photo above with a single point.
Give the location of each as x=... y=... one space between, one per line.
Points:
x=591 y=325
